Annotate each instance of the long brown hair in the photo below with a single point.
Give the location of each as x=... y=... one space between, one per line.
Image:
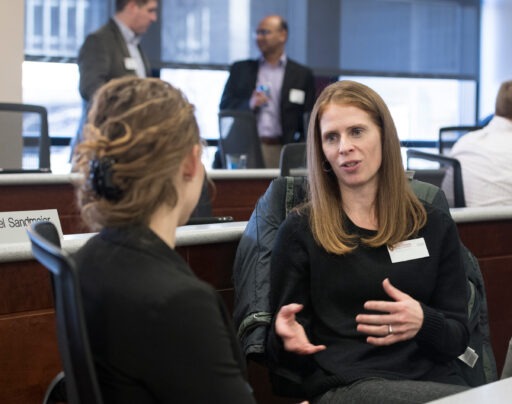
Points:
x=399 y=212
x=145 y=128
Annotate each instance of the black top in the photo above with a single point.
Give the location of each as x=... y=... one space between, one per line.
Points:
x=333 y=289
x=157 y=333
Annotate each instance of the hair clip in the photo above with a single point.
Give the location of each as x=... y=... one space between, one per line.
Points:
x=100 y=177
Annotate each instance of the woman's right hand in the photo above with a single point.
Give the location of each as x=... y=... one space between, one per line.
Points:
x=292 y=333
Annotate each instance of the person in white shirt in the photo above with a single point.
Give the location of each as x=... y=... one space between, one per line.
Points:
x=485 y=159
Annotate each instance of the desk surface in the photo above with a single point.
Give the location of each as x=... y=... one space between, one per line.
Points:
x=232 y=231
x=185 y=236
x=43 y=178
x=495 y=393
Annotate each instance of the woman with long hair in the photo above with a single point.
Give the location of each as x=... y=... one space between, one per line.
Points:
x=367 y=280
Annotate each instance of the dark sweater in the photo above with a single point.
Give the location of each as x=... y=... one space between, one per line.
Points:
x=333 y=289
x=158 y=334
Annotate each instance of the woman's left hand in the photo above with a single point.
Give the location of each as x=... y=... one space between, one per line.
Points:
x=402 y=320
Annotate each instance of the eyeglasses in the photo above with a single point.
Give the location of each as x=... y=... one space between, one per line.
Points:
x=263 y=32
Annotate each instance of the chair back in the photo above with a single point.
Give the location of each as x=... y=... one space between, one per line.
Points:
x=445 y=162
x=448 y=135
x=239 y=135
x=293 y=160
x=433 y=176
x=25 y=128
x=81 y=381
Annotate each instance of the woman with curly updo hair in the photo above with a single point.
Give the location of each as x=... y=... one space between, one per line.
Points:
x=158 y=334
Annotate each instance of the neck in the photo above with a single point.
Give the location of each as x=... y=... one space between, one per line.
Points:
x=360 y=208
x=164 y=222
x=122 y=16
x=273 y=58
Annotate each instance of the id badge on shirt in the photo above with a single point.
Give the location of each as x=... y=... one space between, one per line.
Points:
x=297 y=96
x=130 y=64
x=408 y=250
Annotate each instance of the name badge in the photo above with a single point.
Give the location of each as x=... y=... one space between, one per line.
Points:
x=130 y=64
x=13 y=225
x=297 y=96
x=408 y=250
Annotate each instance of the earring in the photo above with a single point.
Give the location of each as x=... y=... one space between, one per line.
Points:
x=327 y=168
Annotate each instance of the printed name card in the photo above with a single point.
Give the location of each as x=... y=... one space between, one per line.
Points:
x=13 y=225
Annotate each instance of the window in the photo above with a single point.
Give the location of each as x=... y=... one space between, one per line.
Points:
x=203 y=88
x=421 y=37
x=221 y=31
x=58 y=92
x=421 y=106
x=55 y=28
x=421 y=55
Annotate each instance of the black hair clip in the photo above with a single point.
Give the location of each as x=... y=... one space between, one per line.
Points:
x=100 y=177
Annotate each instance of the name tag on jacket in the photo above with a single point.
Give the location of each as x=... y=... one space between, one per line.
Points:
x=130 y=64
x=297 y=96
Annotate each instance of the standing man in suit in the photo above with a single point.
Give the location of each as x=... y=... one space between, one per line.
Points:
x=277 y=89
x=113 y=51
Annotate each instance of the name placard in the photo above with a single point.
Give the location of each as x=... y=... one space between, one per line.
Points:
x=13 y=225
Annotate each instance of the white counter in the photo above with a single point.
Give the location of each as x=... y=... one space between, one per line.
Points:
x=34 y=179
x=42 y=178
x=481 y=214
x=232 y=231
x=186 y=235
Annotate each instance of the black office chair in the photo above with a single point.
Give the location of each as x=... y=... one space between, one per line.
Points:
x=448 y=135
x=80 y=376
x=31 y=122
x=293 y=157
x=433 y=176
x=239 y=135
x=445 y=163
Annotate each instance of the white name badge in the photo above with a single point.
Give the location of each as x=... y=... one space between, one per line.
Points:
x=130 y=64
x=13 y=225
x=408 y=250
x=297 y=96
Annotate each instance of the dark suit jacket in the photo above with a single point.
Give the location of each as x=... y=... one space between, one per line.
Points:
x=157 y=332
x=102 y=58
x=242 y=82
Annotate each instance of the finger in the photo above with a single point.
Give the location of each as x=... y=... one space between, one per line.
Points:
x=383 y=341
x=374 y=330
x=392 y=292
x=292 y=308
x=289 y=310
x=381 y=305
x=310 y=349
x=375 y=319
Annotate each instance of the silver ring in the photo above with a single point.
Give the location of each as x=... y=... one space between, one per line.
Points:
x=390 y=329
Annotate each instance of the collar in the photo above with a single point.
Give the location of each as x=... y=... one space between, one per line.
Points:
x=500 y=123
x=282 y=60
x=140 y=238
x=129 y=36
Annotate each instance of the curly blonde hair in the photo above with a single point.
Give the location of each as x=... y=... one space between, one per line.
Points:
x=145 y=127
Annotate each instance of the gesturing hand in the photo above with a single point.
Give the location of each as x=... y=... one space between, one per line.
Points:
x=402 y=320
x=292 y=333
